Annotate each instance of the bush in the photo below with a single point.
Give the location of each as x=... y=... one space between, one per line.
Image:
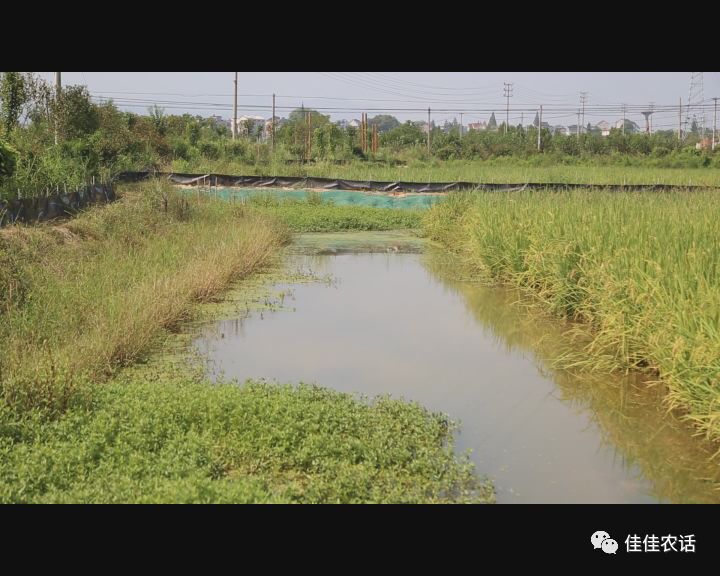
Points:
x=236 y=149
x=8 y=160
x=209 y=150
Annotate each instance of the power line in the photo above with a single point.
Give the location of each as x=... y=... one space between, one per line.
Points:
x=667 y=109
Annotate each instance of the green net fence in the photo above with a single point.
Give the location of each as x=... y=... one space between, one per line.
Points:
x=338 y=197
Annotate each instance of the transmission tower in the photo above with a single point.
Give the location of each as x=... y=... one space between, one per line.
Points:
x=695 y=110
x=647 y=115
x=652 y=109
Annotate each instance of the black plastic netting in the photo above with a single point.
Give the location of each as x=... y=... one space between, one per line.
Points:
x=43 y=208
x=371 y=185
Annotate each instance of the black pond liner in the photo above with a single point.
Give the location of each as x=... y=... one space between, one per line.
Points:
x=40 y=209
x=230 y=181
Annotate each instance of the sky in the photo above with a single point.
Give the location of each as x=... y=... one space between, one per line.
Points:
x=347 y=94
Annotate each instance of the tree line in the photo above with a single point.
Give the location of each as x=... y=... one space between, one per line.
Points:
x=61 y=140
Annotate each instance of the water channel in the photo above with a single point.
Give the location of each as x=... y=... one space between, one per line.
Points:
x=393 y=318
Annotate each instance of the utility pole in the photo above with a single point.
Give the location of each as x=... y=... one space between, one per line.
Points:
x=308 y=137
x=652 y=108
x=578 y=125
x=58 y=90
x=507 y=92
x=539 y=126
x=714 y=139
x=680 y=121
x=583 y=99
x=428 y=139
x=363 y=135
x=363 y=132
x=272 y=128
x=234 y=126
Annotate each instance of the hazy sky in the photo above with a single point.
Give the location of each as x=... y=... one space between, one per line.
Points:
x=208 y=93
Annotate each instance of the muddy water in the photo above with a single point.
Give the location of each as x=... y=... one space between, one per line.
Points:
x=397 y=323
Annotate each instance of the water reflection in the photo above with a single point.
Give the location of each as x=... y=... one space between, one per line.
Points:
x=627 y=410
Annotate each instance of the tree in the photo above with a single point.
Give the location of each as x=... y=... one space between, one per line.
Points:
x=192 y=132
x=157 y=115
x=536 y=122
x=76 y=115
x=13 y=97
x=407 y=134
x=384 y=122
x=7 y=160
x=492 y=123
x=317 y=119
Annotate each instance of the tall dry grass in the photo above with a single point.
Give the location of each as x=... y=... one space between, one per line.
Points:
x=80 y=299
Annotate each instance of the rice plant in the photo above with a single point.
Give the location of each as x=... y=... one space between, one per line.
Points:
x=640 y=271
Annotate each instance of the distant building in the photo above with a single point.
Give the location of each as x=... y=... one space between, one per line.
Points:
x=704 y=144
x=423 y=125
x=630 y=126
x=603 y=127
x=477 y=126
x=248 y=124
x=267 y=128
x=448 y=127
x=256 y=126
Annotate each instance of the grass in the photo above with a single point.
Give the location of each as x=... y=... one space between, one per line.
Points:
x=499 y=170
x=82 y=298
x=173 y=439
x=88 y=413
x=316 y=215
x=640 y=271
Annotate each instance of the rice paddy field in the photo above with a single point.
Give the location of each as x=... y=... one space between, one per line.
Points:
x=639 y=272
